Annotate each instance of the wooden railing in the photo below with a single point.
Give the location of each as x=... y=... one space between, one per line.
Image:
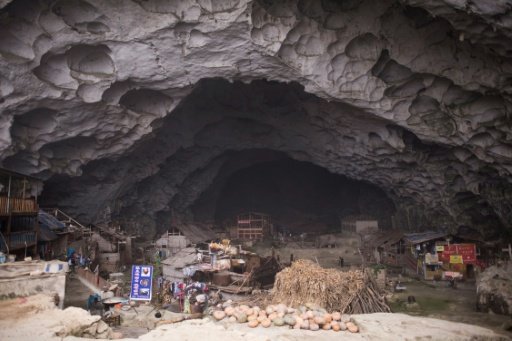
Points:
x=17 y=205
x=68 y=221
x=63 y=217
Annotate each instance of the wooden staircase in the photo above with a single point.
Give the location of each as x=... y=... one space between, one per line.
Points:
x=100 y=228
x=69 y=221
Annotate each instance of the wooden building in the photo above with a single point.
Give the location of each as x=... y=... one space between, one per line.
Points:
x=251 y=226
x=384 y=247
x=18 y=213
x=429 y=255
x=422 y=247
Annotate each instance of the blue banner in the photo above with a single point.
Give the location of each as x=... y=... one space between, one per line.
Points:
x=142 y=276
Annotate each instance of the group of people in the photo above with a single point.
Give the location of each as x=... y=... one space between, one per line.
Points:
x=191 y=296
x=73 y=258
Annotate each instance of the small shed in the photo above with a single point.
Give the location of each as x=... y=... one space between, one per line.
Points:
x=459 y=257
x=422 y=250
x=385 y=247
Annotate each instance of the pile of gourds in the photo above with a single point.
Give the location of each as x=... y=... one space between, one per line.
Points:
x=305 y=317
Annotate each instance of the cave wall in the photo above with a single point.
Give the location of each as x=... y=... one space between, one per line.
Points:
x=121 y=104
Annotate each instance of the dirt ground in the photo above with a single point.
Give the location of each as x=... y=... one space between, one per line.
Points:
x=326 y=257
x=37 y=318
x=435 y=299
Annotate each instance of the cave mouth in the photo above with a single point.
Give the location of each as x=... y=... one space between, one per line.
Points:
x=265 y=146
x=300 y=197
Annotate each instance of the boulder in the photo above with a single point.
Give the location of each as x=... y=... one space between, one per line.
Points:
x=494 y=289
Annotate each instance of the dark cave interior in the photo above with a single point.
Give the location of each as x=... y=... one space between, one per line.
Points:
x=300 y=196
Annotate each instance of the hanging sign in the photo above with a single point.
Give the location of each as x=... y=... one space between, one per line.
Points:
x=439 y=248
x=455 y=259
x=431 y=258
x=466 y=251
x=141 y=283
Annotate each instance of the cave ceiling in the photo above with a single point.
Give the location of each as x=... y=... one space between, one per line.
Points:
x=142 y=105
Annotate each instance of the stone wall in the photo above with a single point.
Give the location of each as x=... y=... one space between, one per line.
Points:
x=29 y=278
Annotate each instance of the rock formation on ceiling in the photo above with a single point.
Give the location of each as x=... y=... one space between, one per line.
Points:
x=142 y=104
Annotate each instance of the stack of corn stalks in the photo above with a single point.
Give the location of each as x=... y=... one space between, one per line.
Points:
x=352 y=292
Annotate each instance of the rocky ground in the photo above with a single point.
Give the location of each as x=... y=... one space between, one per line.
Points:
x=23 y=318
x=436 y=300
x=37 y=318
x=433 y=299
x=436 y=316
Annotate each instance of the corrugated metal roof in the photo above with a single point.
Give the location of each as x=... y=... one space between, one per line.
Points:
x=182 y=258
x=416 y=238
x=385 y=237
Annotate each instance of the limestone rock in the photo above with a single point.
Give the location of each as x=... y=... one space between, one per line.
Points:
x=101 y=327
x=494 y=289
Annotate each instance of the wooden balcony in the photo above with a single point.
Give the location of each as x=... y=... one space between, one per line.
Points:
x=17 y=206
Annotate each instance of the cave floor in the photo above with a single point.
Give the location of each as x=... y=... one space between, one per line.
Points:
x=437 y=300
x=326 y=257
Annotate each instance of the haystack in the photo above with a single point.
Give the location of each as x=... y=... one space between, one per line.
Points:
x=352 y=292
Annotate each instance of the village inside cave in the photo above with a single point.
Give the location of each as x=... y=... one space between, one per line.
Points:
x=256 y=170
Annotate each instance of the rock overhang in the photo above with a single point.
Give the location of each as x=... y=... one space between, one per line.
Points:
x=120 y=103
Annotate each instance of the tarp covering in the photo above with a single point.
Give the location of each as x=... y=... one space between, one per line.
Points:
x=50 y=221
x=45 y=234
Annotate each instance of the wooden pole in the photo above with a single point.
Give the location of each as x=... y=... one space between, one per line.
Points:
x=9 y=219
x=509 y=250
x=24 y=187
x=9 y=196
x=408 y=220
